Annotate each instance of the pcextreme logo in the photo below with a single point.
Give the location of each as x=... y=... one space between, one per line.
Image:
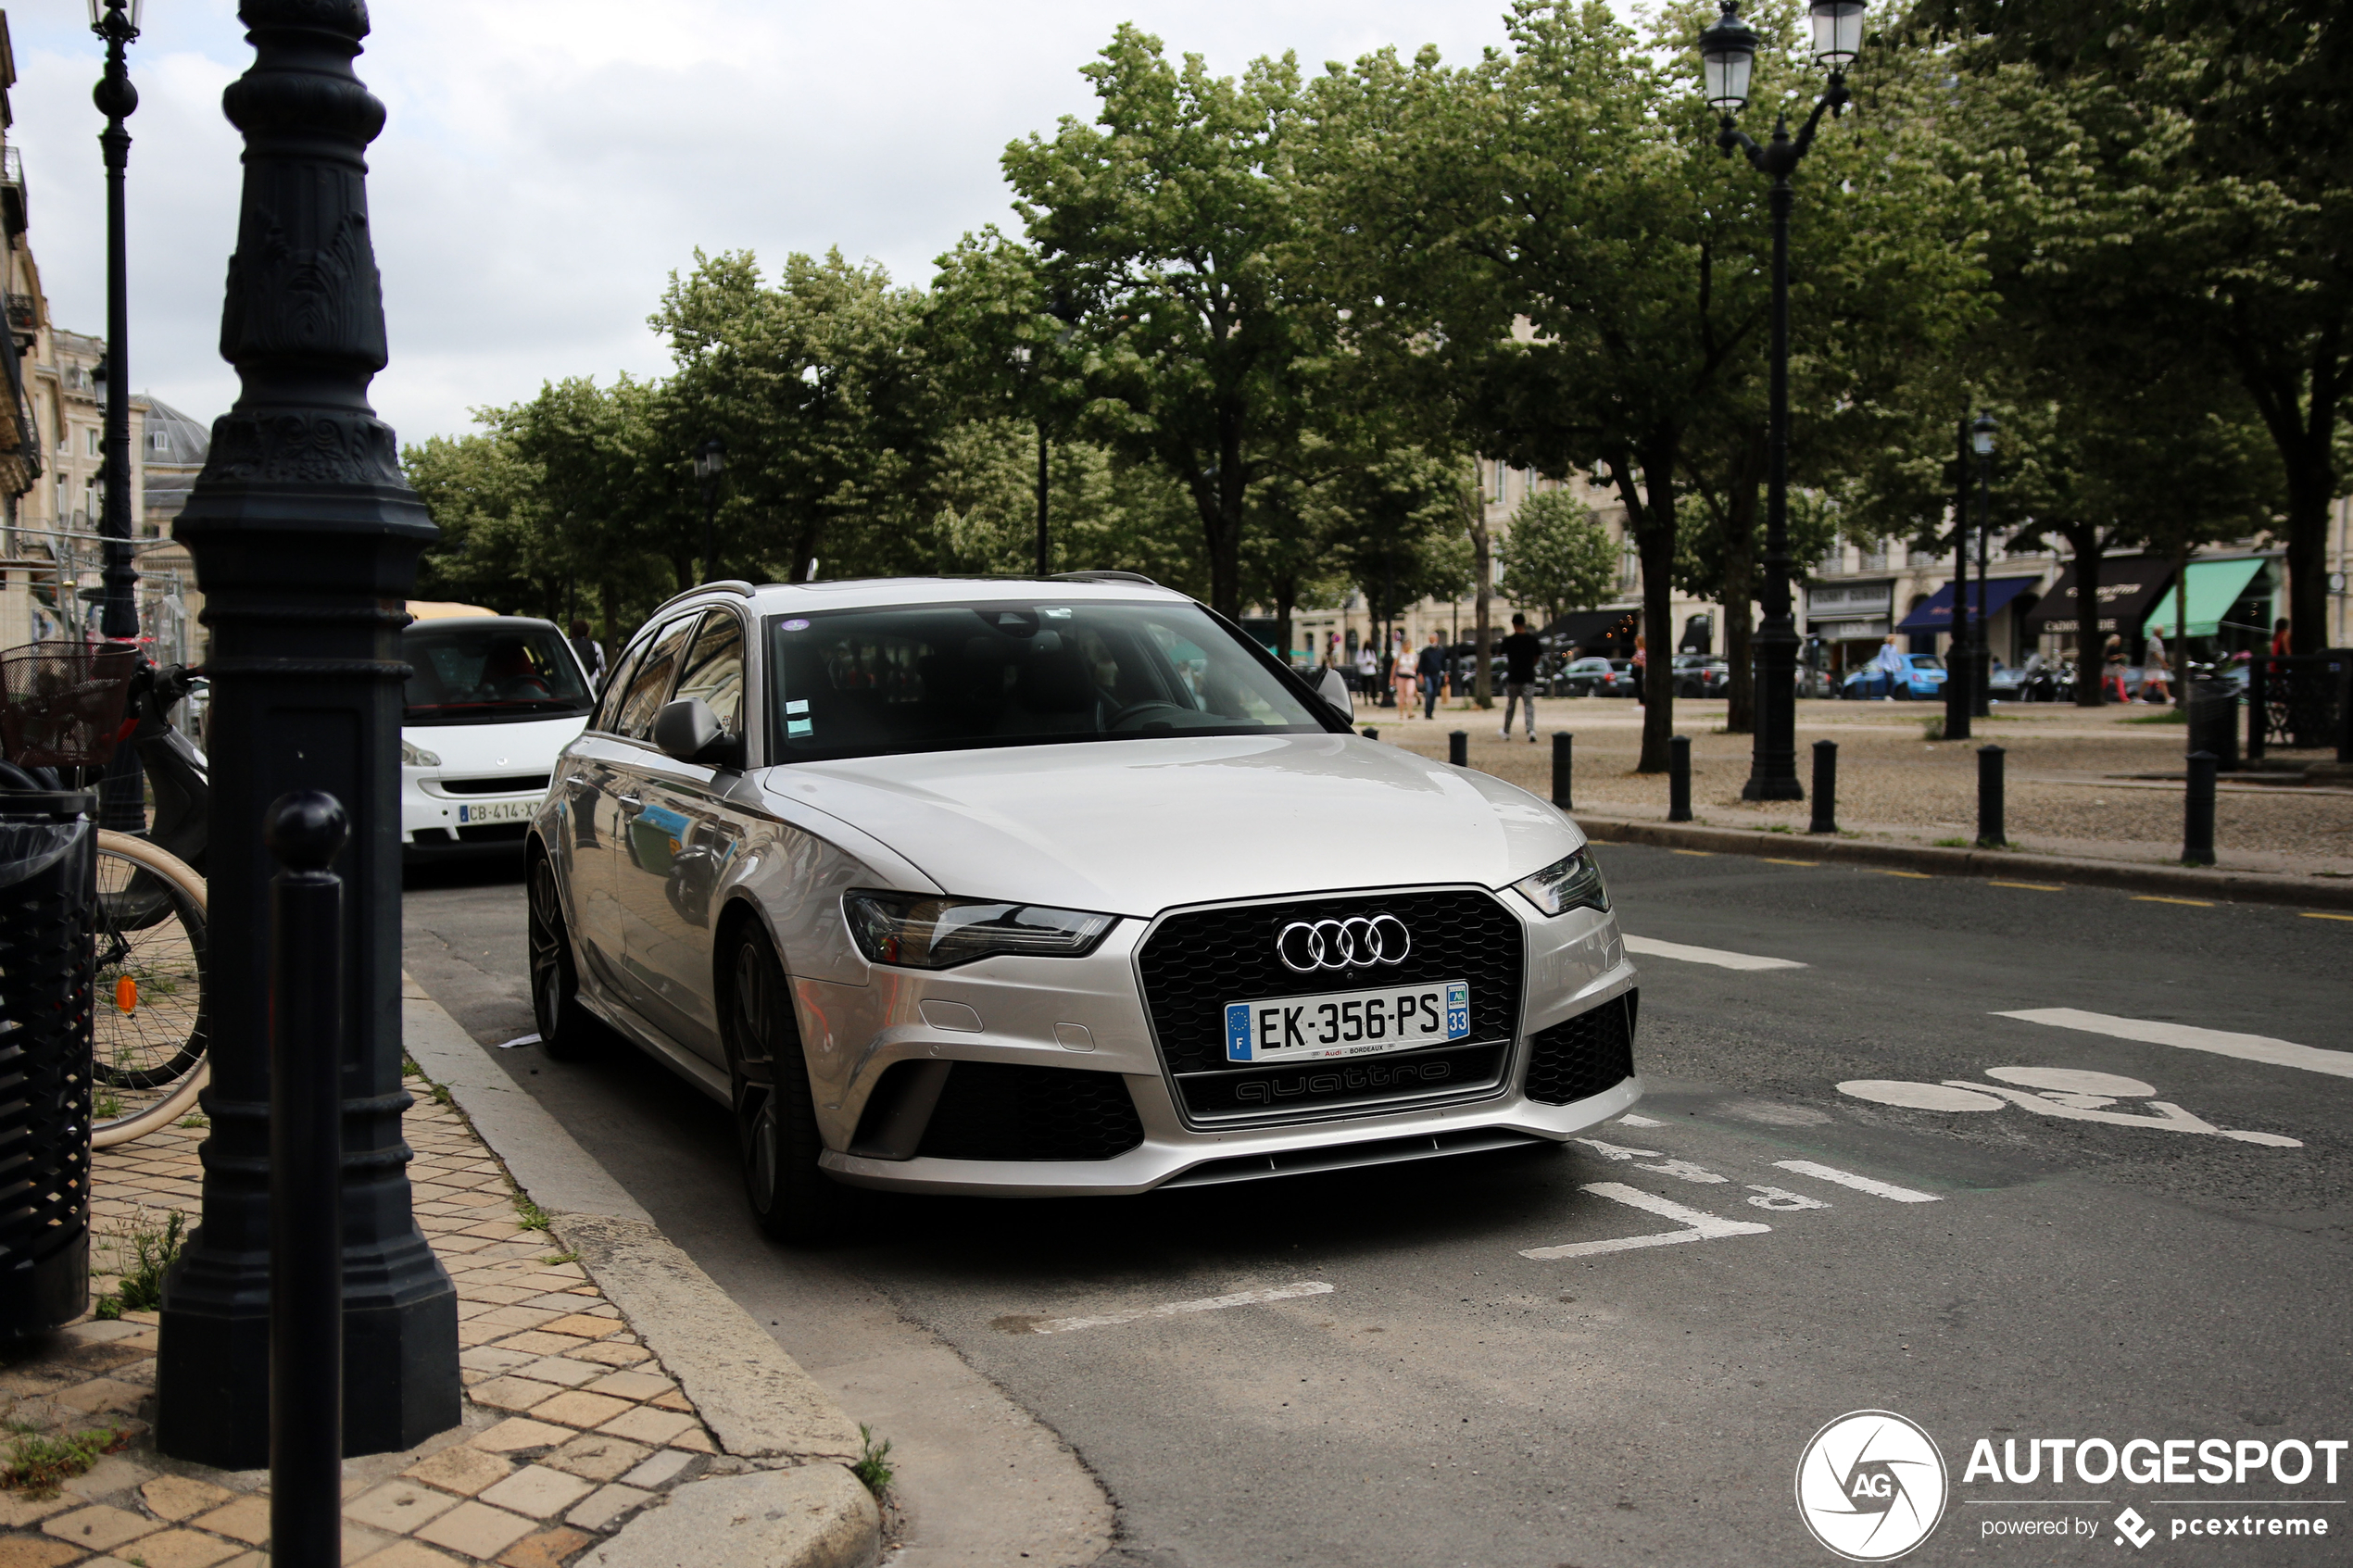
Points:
x=1871 y=1485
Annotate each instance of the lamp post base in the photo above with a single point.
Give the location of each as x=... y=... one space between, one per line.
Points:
x=1763 y=788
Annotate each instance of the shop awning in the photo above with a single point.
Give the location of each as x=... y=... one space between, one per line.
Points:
x=1588 y=626
x=2129 y=585
x=2214 y=587
x=1986 y=599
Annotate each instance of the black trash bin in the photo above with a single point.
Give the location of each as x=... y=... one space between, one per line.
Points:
x=2214 y=722
x=48 y=881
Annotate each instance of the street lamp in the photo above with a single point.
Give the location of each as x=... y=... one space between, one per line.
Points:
x=710 y=461
x=124 y=792
x=1728 y=56
x=1960 y=670
x=1980 y=651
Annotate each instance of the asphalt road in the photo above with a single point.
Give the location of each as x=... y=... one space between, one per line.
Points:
x=2026 y=1268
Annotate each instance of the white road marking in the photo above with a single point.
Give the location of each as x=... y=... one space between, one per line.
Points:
x=1699 y=1226
x=1684 y=1169
x=1612 y=1151
x=1177 y=1309
x=1918 y=1097
x=519 y=1040
x=1849 y=1179
x=1651 y=948
x=1639 y=1121
x=1781 y=1200
x=2188 y=1037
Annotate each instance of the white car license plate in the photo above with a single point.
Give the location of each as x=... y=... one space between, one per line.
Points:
x=1400 y=1018
x=498 y=811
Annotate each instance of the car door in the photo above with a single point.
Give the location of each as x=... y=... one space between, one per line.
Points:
x=584 y=777
x=608 y=783
x=684 y=836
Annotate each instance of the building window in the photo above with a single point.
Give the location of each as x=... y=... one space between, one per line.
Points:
x=1498 y=494
x=157 y=441
x=90 y=442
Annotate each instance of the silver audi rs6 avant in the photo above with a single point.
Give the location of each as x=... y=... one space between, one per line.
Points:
x=1057 y=887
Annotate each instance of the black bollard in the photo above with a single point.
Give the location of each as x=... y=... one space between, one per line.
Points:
x=2198 y=811
x=1562 y=740
x=304 y=830
x=1989 y=799
x=1825 y=787
x=1678 y=778
x=1371 y=733
x=1458 y=747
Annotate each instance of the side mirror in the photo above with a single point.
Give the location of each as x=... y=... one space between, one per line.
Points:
x=689 y=730
x=1333 y=688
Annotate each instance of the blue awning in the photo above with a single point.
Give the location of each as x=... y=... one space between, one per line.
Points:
x=1986 y=599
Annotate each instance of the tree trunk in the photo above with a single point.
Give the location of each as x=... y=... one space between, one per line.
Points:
x=2304 y=429
x=1654 y=522
x=1483 y=565
x=2308 y=532
x=2084 y=540
x=1286 y=596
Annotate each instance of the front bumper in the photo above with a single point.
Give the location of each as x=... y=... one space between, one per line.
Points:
x=434 y=822
x=1023 y=1012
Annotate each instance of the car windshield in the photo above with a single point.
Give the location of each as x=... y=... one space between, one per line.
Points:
x=485 y=673
x=1927 y=661
x=875 y=682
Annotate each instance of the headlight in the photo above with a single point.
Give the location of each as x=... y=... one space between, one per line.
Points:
x=1575 y=883
x=915 y=932
x=417 y=757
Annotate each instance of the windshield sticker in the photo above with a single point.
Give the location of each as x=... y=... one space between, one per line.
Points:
x=796 y=624
x=797 y=729
x=796 y=721
x=1054 y=612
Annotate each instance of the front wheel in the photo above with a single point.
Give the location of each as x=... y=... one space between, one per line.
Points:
x=776 y=1115
x=567 y=1031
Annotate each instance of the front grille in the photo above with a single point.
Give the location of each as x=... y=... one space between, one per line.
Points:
x=996 y=1110
x=1199 y=960
x=1580 y=1057
x=519 y=784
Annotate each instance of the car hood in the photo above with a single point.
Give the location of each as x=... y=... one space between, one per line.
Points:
x=491 y=749
x=1135 y=827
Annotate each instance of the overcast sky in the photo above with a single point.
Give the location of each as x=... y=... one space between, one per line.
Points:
x=545 y=165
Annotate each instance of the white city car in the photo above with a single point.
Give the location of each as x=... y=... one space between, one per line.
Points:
x=1058 y=887
x=489 y=702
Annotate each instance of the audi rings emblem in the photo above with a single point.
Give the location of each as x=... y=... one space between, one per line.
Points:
x=1353 y=943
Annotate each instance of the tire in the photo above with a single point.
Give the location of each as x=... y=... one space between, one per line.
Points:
x=568 y=1032
x=148 y=1015
x=791 y=1199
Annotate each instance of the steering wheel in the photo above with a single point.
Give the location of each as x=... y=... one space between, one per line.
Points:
x=1134 y=708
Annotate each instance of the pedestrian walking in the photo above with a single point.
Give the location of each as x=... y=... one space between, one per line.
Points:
x=2156 y=671
x=1641 y=672
x=1401 y=680
x=1521 y=651
x=1892 y=663
x=2279 y=642
x=2112 y=668
x=590 y=653
x=1433 y=666
x=1367 y=669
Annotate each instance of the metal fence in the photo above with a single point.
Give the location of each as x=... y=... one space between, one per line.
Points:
x=2303 y=701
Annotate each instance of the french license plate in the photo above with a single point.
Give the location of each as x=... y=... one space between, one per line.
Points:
x=498 y=811
x=1400 y=1018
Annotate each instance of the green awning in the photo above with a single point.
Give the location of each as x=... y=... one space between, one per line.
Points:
x=2215 y=586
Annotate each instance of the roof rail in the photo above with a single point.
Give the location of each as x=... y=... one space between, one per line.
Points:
x=1104 y=577
x=730 y=585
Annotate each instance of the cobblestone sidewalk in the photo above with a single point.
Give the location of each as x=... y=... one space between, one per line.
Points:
x=570 y=1425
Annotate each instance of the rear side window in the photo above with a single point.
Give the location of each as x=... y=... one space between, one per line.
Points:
x=714 y=670
x=649 y=683
x=616 y=688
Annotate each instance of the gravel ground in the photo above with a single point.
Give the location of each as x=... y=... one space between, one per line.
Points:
x=2069 y=780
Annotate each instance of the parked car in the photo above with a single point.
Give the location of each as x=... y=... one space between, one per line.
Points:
x=1698 y=675
x=1924 y=679
x=1814 y=682
x=1596 y=676
x=1055 y=887
x=489 y=701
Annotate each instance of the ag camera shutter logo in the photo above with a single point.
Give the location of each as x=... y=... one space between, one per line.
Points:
x=1871 y=1485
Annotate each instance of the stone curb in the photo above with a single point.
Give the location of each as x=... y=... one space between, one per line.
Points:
x=2248 y=887
x=755 y=1399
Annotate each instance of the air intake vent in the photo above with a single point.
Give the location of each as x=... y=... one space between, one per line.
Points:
x=994 y=1111
x=1584 y=1056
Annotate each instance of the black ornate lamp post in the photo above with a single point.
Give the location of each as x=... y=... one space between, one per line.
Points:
x=306 y=539
x=1980 y=650
x=124 y=792
x=1960 y=670
x=710 y=461
x=1728 y=53
x=1025 y=362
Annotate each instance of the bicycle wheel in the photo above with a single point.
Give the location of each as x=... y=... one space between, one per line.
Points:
x=148 y=1019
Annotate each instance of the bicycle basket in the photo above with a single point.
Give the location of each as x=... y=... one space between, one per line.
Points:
x=61 y=702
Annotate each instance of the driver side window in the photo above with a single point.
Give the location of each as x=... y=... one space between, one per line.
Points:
x=649 y=684
x=714 y=670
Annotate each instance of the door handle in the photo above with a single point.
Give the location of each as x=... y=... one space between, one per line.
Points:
x=629 y=802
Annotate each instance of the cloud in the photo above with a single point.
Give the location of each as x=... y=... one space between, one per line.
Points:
x=544 y=166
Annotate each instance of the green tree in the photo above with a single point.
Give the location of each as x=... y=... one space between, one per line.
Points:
x=1557 y=556
x=1164 y=224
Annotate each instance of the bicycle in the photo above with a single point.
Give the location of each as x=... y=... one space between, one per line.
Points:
x=67 y=709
